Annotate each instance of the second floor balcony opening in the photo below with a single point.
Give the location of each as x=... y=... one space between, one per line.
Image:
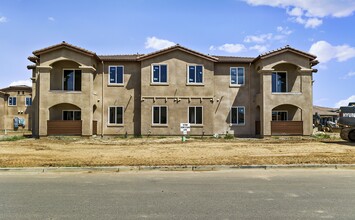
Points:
x=286 y=79
x=72 y=80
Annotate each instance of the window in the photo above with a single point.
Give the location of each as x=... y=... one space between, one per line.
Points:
x=237 y=75
x=72 y=80
x=160 y=73
x=279 y=115
x=115 y=115
x=160 y=115
x=195 y=73
x=195 y=115
x=12 y=101
x=116 y=74
x=279 y=82
x=238 y=115
x=71 y=115
x=28 y=101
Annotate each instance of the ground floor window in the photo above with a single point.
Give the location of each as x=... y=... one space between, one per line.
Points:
x=279 y=115
x=71 y=115
x=238 y=115
x=115 y=115
x=195 y=115
x=160 y=115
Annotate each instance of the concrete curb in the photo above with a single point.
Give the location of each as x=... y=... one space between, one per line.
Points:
x=199 y=168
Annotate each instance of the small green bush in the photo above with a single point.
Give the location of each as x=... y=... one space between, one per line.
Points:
x=321 y=136
x=228 y=136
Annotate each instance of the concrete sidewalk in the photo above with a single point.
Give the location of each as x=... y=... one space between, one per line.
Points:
x=169 y=168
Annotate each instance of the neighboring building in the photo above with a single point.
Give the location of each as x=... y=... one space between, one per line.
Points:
x=76 y=92
x=15 y=104
x=325 y=114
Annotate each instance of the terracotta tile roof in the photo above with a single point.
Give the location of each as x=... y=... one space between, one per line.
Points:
x=123 y=57
x=286 y=48
x=325 y=111
x=177 y=47
x=63 y=44
x=23 y=87
x=232 y=59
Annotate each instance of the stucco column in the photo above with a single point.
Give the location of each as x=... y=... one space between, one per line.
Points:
x=43 y=112
x=307 y=92
x=87 y=81
x=265 y=109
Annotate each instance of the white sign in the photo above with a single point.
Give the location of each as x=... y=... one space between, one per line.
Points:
x=184 y=127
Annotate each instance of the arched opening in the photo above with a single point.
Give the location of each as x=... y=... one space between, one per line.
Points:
x=64 y=119
x=286 y=78
x=286 y=120
x=65 y=75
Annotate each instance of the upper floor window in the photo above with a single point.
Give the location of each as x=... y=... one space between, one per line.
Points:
x=28 y=101
x=195 y=73
x=71 y=115
x=115 y=115
x=72 y=80
x=238 y=115
x=12 y=101
x=237 y=75
x=160 y=73
x=279 y=115
x=116 y=74
x=279 y=82
x=195 y=115
x=160 y=115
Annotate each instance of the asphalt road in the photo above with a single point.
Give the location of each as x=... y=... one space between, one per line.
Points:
x=240 y=194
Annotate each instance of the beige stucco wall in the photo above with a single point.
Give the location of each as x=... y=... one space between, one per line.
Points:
x=177 y=63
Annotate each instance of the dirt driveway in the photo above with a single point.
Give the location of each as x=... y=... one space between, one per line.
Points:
x=171 y=151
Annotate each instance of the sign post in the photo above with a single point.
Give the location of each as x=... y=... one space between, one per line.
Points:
x=184 y=128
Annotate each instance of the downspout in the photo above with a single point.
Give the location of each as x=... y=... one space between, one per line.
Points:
x=102 y=100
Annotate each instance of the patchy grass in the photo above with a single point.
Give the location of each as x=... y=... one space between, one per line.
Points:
x=12 y=138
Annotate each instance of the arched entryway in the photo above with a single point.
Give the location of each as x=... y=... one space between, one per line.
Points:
x=286 y=120
x=64 y=119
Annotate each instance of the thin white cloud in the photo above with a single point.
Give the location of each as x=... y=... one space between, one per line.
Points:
x=259 y=48
x=231 y=48
x=326 y=52
x=51 y=19
x=345 y=102
x=21 y=83
x=310 y=13
x=284 y=30
x=349 y=75
x=3 y=19
x=258 y=38
x=157 y=44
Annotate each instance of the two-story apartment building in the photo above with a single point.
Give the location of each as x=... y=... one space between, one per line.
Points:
x=76 y=92
x=15 y=108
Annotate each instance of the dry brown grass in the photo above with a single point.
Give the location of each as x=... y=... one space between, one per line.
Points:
x=171 y=151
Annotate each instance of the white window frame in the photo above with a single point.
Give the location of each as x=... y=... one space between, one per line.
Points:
x=152 y=73
x=81 y=77
x=109 y=79
x=230 y=76
x=286 y=82
x=8 y=101
x=69 y=110
x=277 y=111
x=28 y=97
x=167 y=115
x=230 y=116
x=188 y=75
x=108 y=115
x=188 y=115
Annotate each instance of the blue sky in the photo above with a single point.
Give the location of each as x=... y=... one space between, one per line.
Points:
x=224 y=27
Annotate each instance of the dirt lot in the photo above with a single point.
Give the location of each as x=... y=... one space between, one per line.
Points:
x=62 y=151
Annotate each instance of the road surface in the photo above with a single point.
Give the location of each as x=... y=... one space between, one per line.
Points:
x=240 y=194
